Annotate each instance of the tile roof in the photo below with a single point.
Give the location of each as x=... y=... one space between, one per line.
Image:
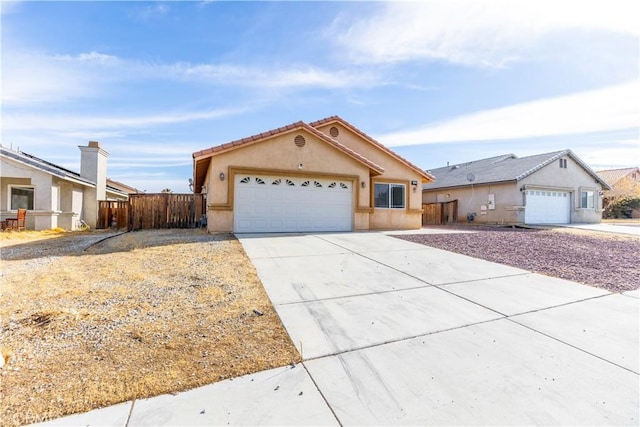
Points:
x=278 y=131
x=503 y=168
x=247 y=140
x=612 y=176
x=333 y=119
x=202 y=157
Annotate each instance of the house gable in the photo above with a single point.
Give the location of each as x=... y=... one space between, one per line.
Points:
x=613 y=176
x=500 y=169
x=203 y=158
x=544 y=188
x=241 y=180
x=343 y=131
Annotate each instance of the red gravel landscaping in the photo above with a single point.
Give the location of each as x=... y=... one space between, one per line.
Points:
x=598 y=259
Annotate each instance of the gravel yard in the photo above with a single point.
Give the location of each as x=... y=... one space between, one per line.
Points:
x=602 y=260
x=90 y=319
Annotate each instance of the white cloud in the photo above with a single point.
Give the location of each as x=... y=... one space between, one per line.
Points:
x=30 y=77
x=72 y=124
x=91 y=58
x=474 y=32
x=34 y=78
x=9 y=6
x=270 y=77
x=152 y=11
x=611 y=108
x=613 y=155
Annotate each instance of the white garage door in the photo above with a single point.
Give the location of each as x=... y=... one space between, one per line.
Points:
x=288 y=204
x=547 y=207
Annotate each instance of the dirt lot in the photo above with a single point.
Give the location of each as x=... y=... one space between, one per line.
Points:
x=598 y=259
x=87 y=322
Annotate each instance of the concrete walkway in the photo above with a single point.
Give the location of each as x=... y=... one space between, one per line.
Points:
x=396 y=333
x=632 y=229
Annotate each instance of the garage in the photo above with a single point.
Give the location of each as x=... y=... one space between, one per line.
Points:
x=547 y=207
x=276 y=204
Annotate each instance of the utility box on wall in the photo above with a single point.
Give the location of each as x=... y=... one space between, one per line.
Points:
x=491 y=203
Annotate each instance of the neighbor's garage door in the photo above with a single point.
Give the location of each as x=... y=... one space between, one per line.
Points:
x=547 y=207
x=288 y=204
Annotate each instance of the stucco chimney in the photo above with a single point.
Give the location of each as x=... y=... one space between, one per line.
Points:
x=93 y=166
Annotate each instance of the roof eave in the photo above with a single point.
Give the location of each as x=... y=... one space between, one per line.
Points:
x=333 y=119
x=468 y=184
x=202 y=158
x=61 y=176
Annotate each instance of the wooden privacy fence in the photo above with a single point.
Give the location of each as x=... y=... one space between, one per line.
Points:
x=153 y=211
x=113 y=214
x=440 y=213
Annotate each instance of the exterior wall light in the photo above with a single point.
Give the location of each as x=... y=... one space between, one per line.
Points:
x=363 y=184
x=299 y=165
x=221 y=176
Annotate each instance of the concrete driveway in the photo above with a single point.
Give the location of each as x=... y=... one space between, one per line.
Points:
x=632 y=229
x=393 y=332
x=396 y=333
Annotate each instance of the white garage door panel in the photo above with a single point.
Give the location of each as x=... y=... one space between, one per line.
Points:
x=276 y=204
x=547 y=207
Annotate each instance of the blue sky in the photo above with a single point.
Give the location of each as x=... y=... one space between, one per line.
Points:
x=443 y=81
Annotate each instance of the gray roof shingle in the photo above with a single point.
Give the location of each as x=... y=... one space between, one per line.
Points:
x=52 y=168
x=505 y=168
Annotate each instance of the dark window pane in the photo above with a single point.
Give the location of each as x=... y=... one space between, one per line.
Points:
x=397 y=196
x=381 y=194
x=21 y=198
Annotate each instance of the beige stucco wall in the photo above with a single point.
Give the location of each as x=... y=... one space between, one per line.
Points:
x=510 y=200
x=573 y=178
x=507 y=198
x=280 y=156
x=394 y=172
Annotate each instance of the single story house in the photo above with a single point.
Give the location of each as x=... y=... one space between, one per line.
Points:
x=549 y=188
x=321 y=176
x=55 y=196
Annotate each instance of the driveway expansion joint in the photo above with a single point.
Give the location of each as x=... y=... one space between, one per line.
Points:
x=365 y=347
x=313 y=380
x=572 y=346
x=416 y=277
x=364 y=294
x=126 y=423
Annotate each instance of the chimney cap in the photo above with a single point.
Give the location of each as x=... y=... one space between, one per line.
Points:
x=94 y=144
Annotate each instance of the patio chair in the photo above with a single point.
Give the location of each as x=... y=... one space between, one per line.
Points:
x=17 y=223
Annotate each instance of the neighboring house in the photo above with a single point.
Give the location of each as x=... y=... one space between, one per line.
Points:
x=55 y=196
x=322 y=176
x=550 y=188
x=625 y=184
x=122 y=188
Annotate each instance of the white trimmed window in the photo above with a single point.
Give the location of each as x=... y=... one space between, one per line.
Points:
x=391 y=196
x=21 y=197
x=587 y=199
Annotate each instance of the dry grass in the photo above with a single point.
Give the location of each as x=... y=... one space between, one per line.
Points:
x=133 y=316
